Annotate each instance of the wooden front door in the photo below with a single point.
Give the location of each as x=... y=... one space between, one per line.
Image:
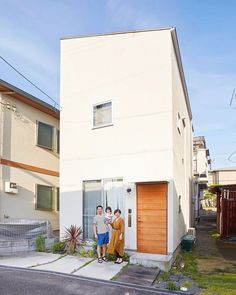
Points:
x=152 y=218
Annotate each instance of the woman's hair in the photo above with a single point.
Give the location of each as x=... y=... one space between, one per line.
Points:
x=117 y=210
x=108 y=208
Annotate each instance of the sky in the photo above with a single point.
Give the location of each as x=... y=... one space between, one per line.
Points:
x=30 y=33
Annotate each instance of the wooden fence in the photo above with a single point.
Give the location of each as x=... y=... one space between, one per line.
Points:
x=226 y=213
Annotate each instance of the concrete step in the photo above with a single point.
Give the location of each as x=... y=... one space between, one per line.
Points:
x=162 y=262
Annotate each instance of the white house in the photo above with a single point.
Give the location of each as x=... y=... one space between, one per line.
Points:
x=29 y=157
x=126 y=136
x=201 y=162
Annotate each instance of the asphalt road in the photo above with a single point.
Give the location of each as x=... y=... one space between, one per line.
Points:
x=31 y=282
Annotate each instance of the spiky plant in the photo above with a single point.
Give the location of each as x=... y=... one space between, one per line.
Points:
x=73 y=238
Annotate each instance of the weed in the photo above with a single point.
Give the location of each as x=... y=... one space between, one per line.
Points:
x=171 y=286
x=40 y=243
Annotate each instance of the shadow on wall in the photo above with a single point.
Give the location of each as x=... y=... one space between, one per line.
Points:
x=23 y=204
x=179 y=224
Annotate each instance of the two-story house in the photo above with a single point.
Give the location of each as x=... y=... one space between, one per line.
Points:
x=126 y=136
x=29 y=157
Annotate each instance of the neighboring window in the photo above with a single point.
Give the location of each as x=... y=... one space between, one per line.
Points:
x=179 y=123
x=58 y=141
x=44 y=197
x=102 y=114
x=58 y=198
x=45 y=135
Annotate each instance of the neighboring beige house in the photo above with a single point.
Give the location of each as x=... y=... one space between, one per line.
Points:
x=29 y=156
x=201 y=162
x=222 y=176
x=126 y=136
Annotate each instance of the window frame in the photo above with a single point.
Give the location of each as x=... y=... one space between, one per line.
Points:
x=52 y=199
x=57 y=140
x=37 y=136
x=102 y=125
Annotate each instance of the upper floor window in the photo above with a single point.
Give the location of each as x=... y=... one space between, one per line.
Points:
x=102 y=114
x=45 y=135
x=48 y=137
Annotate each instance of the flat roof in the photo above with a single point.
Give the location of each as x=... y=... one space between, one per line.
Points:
x=29 y=99
x=224 y=169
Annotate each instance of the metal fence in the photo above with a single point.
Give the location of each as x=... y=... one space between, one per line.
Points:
x=24 y=229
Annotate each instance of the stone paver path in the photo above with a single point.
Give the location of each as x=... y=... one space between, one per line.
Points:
x=103 y=271
x=67 y=264
x=29 y=259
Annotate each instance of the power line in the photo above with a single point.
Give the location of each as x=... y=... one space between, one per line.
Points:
x=18 y=72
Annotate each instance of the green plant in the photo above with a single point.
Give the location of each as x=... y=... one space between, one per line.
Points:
x=40 y=243
x=186 y=285
x=171 y=286
x=91 y=253
x=73 y=238
x=216 y=236
x=83 y=252
x=112 y=257
x=165 y=276
x=58 y=247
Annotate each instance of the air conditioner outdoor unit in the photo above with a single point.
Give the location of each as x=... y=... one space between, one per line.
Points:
x=192 y=232
x=11 y=187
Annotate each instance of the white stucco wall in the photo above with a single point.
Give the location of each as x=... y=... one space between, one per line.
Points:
x=134 y=71
x=18 y=143
x=179 y=222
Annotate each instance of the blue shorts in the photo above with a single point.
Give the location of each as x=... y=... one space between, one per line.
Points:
x=103 y=239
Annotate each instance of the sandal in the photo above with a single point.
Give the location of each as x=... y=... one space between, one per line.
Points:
x=104 y=258
x=120 y=261
x=99 y=259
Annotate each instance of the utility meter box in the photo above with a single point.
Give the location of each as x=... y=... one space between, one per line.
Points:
x=11 y=187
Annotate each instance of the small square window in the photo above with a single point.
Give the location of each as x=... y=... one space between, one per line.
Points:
x=179 y=123
x=44 y=197
x=102 y=114
x=45 y=135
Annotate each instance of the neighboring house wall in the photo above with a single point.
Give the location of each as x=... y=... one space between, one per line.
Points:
x=222 y=177
x=134 y=71
x=18 y=147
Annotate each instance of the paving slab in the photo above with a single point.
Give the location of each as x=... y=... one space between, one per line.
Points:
x=103 y=271
x=29 y=259
x=138 y=275
x=67 y=264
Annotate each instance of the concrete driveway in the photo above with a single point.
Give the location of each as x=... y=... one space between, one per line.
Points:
x=79 y=266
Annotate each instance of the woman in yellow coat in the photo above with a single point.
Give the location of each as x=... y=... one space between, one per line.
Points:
x=116 y=245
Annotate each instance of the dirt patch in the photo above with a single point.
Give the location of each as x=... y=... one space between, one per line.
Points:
x=210 y=264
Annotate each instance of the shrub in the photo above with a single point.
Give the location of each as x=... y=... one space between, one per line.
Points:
x=40 y=243
x=171 y=286
x=58 y=247
x=72 y=238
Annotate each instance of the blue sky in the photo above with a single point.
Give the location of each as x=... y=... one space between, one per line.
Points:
x=30 y=32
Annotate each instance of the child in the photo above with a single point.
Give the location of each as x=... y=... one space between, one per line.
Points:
x=108 y=217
